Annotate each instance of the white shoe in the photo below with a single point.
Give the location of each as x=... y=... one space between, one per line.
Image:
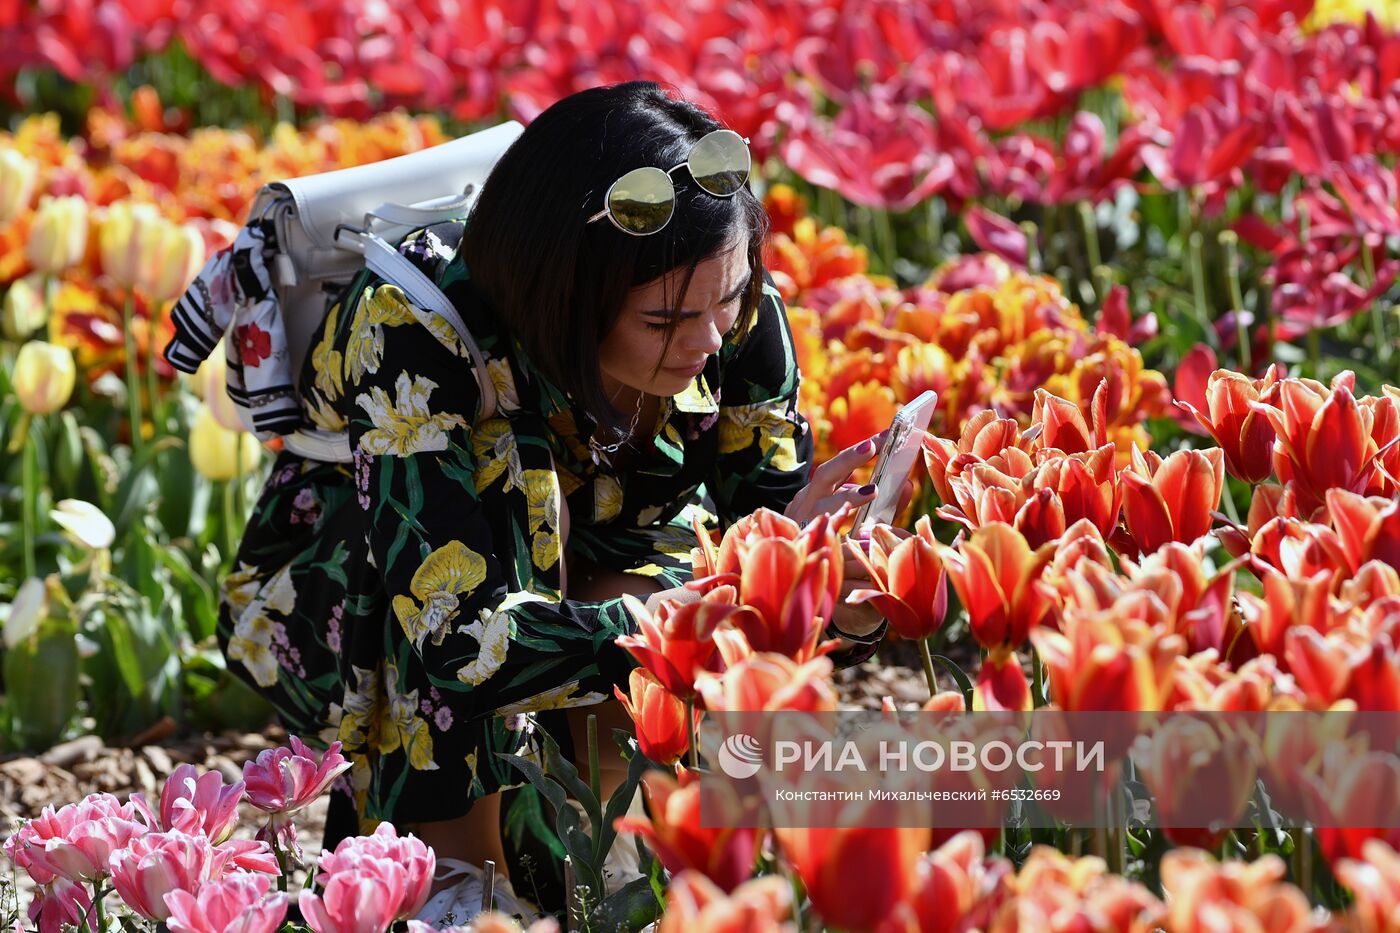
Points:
x=459 y=903
x=622 y=863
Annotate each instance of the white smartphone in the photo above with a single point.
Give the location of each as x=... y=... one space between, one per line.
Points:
x=897 y=456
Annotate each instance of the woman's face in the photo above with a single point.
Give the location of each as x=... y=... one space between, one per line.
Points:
x=629 y=352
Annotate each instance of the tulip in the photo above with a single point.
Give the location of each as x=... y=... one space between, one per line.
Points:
x=195 y=803
x=659 y=716
x=1374 y=881
x=58 y=238
x=952 y=889
x=878 y=862
x=236 y=903
x=759 y=905
x=1245 y=436
x=75 y=841
x=218 y=453
x=244 y=855
x=1171 y=499
x=284 y=780
x=911 y=587
x=767 y=682
x=1324 y=440
x=1101 y=661
x=1085 y=485
x=1368 y=528
x=25 y=309
x=1186 y=754
x=1079 y=893
x=352 y=902
x=413 y=859
x=178 y=256
x=674 y=832
x=85 y=522
x=994 y=571
x=18 y=173
x=983 y=437
x=1301 y=549
x=1063 y=426
x=58 y=905
x=27 y=612
x=1001 y=684
x=129 y=238
x=676 y=643
x=43 y=377
x=153 y=865
x=1353 y=789
x=1203 y=894
x=210 y=383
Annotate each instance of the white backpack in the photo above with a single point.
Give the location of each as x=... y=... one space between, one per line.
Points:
x=328 y=227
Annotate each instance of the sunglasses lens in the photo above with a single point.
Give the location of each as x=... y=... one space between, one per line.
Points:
x=720 y=162
x=642 y=200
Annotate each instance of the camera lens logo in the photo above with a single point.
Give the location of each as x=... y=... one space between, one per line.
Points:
x=740 y=756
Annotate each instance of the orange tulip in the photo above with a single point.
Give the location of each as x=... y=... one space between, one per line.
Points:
x=1385 y=431
x=983 y=437
x=1054 y=891
x=1205 y=895
x=954 y=889
x=911 y=587
x=725 y=856
x=1300 y=549
x=1374 y=880
x=760 y=905
x=995 y=571
x=1368 y=528
x=1353 y=787
x=1171 y=499
x=1198 y=607
x=1001 y=684
x=866 y=409
x=1288 y=604
x=1245 y=435
x=1101 y=661
x=1267 y=503
x=1063 y=425
x=1324 y=439
x=1086 y=485
x=1187 y=754
x=677 y=642
x=855 y=875
x=767 y=682
x=659 y=716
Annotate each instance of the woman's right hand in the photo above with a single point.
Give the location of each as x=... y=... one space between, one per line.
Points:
x=829 y=488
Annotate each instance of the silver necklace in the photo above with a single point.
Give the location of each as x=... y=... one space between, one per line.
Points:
x=603 y=450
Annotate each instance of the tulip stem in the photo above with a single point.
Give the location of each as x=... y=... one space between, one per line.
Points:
x=230 y=538
x=152 y=379
x=1231 y=241
x=934 y=230
x=929 y=674
x=1198 y=290
x=31 y=495
x=1368 y=264
x=1091 y=244
x=691 y=734
x=595 y=783
x=133 y=387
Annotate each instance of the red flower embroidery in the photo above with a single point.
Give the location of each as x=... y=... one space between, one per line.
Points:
x=254 y=344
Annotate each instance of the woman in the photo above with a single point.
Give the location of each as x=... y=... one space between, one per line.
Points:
x=464 y=570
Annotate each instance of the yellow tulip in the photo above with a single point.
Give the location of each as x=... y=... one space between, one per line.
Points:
x=178 y=255
x=44 y=377
x=59 y=236
x=129 y=239
x=209 y=383
x=18 y=173
x=25 y=310
x=215 y=450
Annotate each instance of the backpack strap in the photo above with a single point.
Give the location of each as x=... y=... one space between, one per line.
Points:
x=425 y=300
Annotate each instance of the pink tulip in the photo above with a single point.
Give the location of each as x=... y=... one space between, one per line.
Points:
x=73 y=841
x=361 y=901
x=155 y=864
x=283 y=780
x=195 y=803
x=236 y=903
x=360 y=853
x=244 y=855
x=63 y=903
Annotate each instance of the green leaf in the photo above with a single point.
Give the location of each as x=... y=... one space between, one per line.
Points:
x=41 y=684
x=630 y=907
x=964 y=684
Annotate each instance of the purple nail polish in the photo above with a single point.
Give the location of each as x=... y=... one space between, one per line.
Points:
x=867 y=489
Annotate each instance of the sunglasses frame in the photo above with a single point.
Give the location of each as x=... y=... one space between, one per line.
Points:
x=607 y=198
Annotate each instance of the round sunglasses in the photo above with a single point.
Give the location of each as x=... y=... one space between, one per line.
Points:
x=642 y=201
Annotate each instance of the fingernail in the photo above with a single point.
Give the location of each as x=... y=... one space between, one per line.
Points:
x=867 y=489
x=867 y=445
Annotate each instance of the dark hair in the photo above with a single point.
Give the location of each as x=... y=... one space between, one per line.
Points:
x=559 y=283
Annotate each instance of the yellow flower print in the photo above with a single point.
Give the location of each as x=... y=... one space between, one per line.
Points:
x=560 y=697
x=240 y=588
x=507 y=398
x=544 y=549
x=452 y=570
x=404 y=728
x=607 y=499
x=322 y=413
x=648 y=516
x=739 y=425
x=406 y=426
x=362 y=710
x=251 y=643
x=327 y=361
x=542 y=498
x=493 y=444
x=492 y=633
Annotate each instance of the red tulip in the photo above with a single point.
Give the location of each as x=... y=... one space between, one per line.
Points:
x=760 y=905
x=911 y=588
x=659 y=715
x=1172 y=499
x=1187 y=754
x=766 y=682
x=997 y=235
x=1001 y=684
x=1368 y=528
x=1100 y=661
x=674 y=832
x=678 y=642
x=1374 y=880
x=1225 y=412
x=952 y=889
